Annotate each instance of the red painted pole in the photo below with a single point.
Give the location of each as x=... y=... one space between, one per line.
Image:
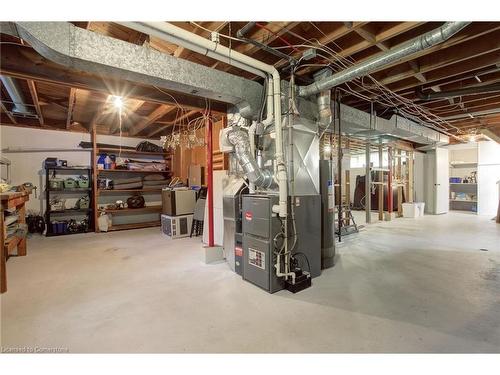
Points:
x=210 y=182
x=389 y=181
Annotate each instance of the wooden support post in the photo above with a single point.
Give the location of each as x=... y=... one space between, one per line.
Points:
x=380 y=187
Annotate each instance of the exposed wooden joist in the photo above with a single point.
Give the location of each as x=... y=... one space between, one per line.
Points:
x=128 y=112
x=27 y=64
x=176 y=121
x=449 y=56
x=182 y=52
x=450 y=70
x=371 y=40
x=9 y=115
x=71 y=106
x=36 y=102
x=97 y=115
x=159 y=112
x=326 y=39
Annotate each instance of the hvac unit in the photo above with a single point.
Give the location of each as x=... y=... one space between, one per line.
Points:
x=176 y=226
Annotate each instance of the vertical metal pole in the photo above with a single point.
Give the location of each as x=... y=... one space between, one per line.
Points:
x=210 y=182
x=339 y=172
x=389 y=183
x=368 y=174
x=368 y=185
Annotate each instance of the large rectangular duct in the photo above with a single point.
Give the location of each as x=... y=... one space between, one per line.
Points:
x=87 y=51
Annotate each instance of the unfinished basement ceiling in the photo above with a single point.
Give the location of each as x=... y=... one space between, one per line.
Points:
x=470 y=58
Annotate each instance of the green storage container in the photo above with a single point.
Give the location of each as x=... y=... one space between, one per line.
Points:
x=70 y=183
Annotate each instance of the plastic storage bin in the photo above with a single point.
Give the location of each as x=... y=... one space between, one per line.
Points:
x=411 y=210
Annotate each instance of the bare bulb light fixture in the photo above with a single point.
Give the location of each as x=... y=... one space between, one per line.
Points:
x=118 y=102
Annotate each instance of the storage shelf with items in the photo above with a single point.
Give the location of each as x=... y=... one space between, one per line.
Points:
x=463 y=180
x=129 y=185
x=68 y=199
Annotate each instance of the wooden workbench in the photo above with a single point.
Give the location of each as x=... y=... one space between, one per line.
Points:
x=10 y=200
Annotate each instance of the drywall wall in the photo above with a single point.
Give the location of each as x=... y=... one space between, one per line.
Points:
x=488 y=176
x=28 y=166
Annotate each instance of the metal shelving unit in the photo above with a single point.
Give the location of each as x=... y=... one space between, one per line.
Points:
x=463 y=188
x=68 y=171
x=152 y=210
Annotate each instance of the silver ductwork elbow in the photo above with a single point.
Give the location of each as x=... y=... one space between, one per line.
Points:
x=241 y=142
x=324 y=100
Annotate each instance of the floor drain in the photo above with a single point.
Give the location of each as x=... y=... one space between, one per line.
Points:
x=483 y=249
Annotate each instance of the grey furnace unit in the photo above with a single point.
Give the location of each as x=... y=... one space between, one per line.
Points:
x=327 y=213
x=260 y=226
x=231 y=209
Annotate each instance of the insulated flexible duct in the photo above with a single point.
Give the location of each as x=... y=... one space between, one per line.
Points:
x=240 y=140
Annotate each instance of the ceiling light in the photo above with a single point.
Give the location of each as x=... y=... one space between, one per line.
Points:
x=118 y=101
x=472 y=137
x=327 y=148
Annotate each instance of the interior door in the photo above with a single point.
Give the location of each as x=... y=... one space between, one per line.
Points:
x=441 y=181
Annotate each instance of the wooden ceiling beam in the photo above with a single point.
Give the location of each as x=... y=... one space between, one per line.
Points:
x=379 y=40
x=263 y=36
x=97 y=115
x=442 y=73
x=27 y=64
x=183 y=53
x=483 y=106
x=128 y=111
x=71 y=106
x=448 y=56
x=34 y=98
x=159 y=112
x=171 y=123
x=9 y=115
x=326 y=39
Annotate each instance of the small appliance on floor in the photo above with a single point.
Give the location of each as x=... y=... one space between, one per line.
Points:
x=176 y=226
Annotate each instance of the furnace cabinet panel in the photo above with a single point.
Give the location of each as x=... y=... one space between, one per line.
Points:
x=260 y=226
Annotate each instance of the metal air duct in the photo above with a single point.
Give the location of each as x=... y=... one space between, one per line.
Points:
x=324 y=100
x=417 y=44
x=17 y=97
x=239 y=139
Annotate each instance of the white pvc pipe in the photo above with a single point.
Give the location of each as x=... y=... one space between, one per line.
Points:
x=251 y=136
x=177 y=35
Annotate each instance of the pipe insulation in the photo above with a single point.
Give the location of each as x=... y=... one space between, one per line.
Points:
x=177 y=35
x=370 y=65
x=240 y=140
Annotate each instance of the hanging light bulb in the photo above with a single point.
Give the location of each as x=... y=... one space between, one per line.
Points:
x=118 y=102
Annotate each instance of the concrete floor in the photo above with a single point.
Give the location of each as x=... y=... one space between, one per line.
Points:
x=412 y=285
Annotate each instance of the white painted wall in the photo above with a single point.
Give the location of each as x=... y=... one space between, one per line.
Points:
x=28 y=166
x=488 y=174
x=419 y=177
